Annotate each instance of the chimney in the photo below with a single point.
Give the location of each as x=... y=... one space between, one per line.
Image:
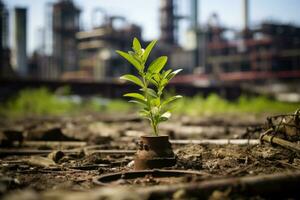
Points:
x=194 y=13
x=20 y=40
x=245 y=15
x=167 y=21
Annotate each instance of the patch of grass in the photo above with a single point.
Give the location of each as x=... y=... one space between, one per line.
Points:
x=119 y=106
x=42 y=102
x=35 y=102
x=214 y=104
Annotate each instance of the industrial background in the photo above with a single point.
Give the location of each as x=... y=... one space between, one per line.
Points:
x=268 y=52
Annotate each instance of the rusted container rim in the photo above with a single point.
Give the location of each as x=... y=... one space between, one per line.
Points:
x=108 y=178
x=154 y=136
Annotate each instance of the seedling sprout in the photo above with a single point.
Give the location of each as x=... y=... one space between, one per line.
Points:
x=152 y=81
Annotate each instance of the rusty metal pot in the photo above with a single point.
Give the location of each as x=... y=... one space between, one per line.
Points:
x=154 y=152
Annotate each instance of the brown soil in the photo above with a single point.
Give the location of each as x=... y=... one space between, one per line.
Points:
x=76 y=171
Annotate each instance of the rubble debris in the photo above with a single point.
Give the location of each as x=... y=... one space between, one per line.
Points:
x=56 y=155
x=283 y=143
x=45 y=169
x=217 y=141
x=48 y=134
x=53 y=144
x=40 y=161
x=9 y=137
x=144 y=177
x=285 y=126
x=265 y=185
x=8 y=183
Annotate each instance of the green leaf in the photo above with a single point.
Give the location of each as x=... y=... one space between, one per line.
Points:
x=131 y=59
x=148 y=76
x=172 y=74
x=155 y=102
x=156 y=77
x=164 y=82
x=165 y=116
x=166 y=73
x=157 y=65
x=133 y=79
x=136 y=45
x=145 y=113
x=154 y=82
x=148 y=50
x=135 y=95
x=171 y=99
x=150 y=92
x=139 y=102
x=154 y=110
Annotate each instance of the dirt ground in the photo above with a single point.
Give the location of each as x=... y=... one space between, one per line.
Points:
x=74 y=166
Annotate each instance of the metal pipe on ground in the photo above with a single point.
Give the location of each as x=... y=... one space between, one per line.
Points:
x=281 y=142
x=274 y=185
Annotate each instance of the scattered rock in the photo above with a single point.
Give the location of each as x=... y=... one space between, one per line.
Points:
x=24 y=195
x=8 y=183
x=48 y=134
x=8 y=137
x=106 y=193
x=40 y=161
x=56 y=155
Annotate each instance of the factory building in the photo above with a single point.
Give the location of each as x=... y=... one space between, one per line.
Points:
x=96 y=47
x=5 y=67
x=268 y=51
x=272 y=47
x=65 y=25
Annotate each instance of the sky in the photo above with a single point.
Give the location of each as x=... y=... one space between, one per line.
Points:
x=146 y=13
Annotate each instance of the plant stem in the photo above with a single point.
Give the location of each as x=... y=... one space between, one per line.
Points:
x=152 y=121
x=155 y=129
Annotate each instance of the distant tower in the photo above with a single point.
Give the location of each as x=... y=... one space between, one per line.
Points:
x=65 y=24
x=167 y=21
x=3 y=26
x=246 y=34
x=20 y=41
x=5 y=69
x=245 y=15
x=194 y=13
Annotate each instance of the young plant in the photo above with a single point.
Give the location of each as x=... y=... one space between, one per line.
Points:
x=152 y=81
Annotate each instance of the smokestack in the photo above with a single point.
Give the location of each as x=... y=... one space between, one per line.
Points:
x=20 y=41
x=65 y=25
x=245 y=15
x=3 y=26
x=167 y=21
x=194 y=13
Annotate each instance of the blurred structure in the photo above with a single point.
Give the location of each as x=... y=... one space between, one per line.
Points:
x=43 y=56
x=167 y=22
x=245 y=15
x=97 y=47
x=33 y=66
x=211 y=54
x=270 y=51
x=3 y=26
x=20 y=42
x=5 y=68
x=191 y=56
x=65 y=25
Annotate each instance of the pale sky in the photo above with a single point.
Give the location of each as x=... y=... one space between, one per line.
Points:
x=145 y=13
